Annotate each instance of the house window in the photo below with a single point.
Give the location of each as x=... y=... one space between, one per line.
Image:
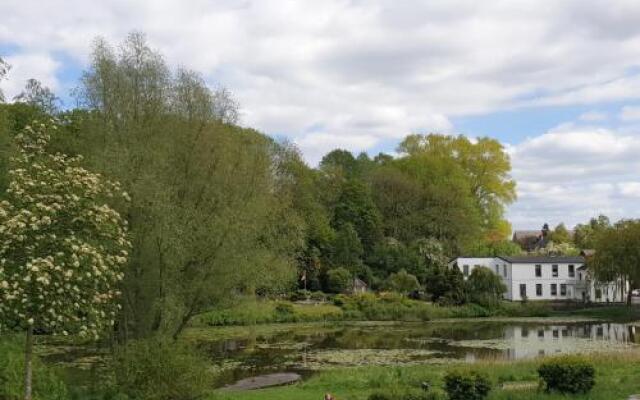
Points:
x=540 y=333
x=563 y=289
x=523 y=290
x=554 y=270
x=465 y=270
x=525 y=332
x=556 y=333
x=497 y=269
x=598 y=294
x=554 y=289
x=580 y=276
x=538 y=289
x=572 y=271
x=504 y=270
x=538 y=271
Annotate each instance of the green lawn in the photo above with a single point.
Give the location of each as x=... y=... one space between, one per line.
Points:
x=617 y=377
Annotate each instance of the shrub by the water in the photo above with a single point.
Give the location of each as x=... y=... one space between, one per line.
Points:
x=157 y=369
x=567 y=374
x=466 y=385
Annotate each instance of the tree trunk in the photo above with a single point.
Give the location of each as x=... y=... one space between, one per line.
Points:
x=28 y=364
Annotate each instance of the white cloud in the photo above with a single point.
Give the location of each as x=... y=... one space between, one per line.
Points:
x=572 y=173
x=28 y=65
x=630 y=113
x=356 y=74
x=593 y=116
x=373 y=68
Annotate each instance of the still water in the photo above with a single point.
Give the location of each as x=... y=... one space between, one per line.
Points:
x=307 y=348
x=242 y=352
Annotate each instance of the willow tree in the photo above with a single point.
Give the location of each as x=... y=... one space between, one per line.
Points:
x=62 y=247
x=210 y=212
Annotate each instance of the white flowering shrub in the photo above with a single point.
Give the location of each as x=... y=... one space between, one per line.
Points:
x=62 y=247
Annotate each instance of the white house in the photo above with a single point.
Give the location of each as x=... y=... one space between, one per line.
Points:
x=544 y=278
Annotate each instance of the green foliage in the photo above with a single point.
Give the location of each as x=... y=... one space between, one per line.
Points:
x=446 y=285
x=339 y=280
x=485 y=287
x=404 y=394
x=484 y=164
x=347 y=250
x=567 y=374
x=355 y=206
x=403 y=282
x=466 y=385
x=156 y=369
x=560 y=234
x=585 y=235
x=495 y=248
x=252 y=312
x=47 y=386
x=212 y=203
x=390 y=255
x=617 y=255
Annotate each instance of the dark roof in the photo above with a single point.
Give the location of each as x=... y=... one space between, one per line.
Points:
x=543 y=259
x=527 y=233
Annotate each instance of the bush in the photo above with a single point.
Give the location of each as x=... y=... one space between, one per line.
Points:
x=46 y=384
x=338 y=280
x=462 y=385
x=567 y=374
x=407 y=395
x=300 y=295
x=156 y=369
x=485 y=287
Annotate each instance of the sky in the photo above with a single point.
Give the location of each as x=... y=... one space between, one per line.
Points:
x=557 y=82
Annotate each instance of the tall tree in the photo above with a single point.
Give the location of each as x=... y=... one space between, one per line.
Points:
x=355 y=206
x=560 y=234
x=485 y=163
x=39 y=96
x=585 y=235
x=617 y=256
x=62 y=247
x=211 y=207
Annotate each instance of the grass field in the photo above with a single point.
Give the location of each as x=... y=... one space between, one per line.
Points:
x=617 y=377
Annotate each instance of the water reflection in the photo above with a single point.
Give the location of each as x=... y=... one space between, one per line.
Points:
x=523 y=342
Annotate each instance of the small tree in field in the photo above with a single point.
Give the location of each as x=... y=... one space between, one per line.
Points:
x=62 y=247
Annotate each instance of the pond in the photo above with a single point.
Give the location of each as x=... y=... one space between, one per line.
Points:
x=245 y=352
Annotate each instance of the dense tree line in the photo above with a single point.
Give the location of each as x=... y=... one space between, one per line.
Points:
x=217 y=209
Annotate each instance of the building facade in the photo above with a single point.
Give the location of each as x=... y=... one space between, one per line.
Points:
x=545 y=278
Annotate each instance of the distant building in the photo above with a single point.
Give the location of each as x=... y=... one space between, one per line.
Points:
x=545 y=278
x=532 y=240
x=529 y=240
x=359 y=286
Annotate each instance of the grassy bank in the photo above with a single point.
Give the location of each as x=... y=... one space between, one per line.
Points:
x=366 y=307
x=613 y=312
x=617 y=377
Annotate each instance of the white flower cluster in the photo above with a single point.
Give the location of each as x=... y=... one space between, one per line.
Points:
x=62 y=249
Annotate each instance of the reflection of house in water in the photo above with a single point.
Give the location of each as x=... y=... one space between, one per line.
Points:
x=533 y=341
